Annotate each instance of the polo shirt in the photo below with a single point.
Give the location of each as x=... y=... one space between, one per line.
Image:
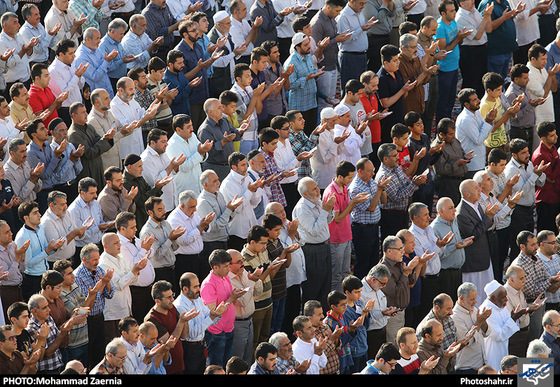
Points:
x=216 y=289
x=340 y=232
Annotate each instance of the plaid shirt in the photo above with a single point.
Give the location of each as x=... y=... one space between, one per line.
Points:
x=552 y=267
x=360 y=213
x=399 y=190
x=145 y=99
x=449 y=329
x=275 y=194
x=104 y=368
x=283 y=366
x=331 y=350
x=54 y=361
x=85 y=280
x=301 y=143
x=303 y=93
x=86 y=7
x=537 y=277
x=73 y=299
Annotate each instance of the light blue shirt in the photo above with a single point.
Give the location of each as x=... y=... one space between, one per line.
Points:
x=188 y=176
x=350 y=20
x=137 y=45
x=68 y=170
x=116 y=68
x=41 y=50
x=313 y=221
x=449 y=33
x=35 y=256
x=471 y=131
x=450 y=256
x=96 y=73
x=199 y=324
x=36 y=155
x=80 y=212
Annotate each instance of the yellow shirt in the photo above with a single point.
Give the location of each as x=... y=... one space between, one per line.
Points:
x=498 y=137
x=19 y=113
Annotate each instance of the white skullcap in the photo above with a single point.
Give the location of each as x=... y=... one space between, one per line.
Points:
x=341 y=109
x=327 y=113
x=491 y=287
x=219 y=16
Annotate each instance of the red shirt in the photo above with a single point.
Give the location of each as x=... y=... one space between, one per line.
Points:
x=167 y=324
x=371 y=105
x=550 y=191
x=41 y=99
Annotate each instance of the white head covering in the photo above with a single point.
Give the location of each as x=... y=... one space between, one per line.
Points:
x=297 y=39
x=219 y=16
x=341 y=109
x=491 y=287
x=327 y=113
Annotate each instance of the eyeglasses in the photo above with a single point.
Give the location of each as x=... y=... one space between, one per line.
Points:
x=11 y=338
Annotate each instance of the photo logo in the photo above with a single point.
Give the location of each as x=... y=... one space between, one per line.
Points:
x=535 y=372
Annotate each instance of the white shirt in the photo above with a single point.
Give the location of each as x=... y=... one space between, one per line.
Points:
x=325 y=159
x=154 y=169
x=199 y=324
x=527 y=26
x=134 y=364
x=285 y=29
x=295 y=273
x=378 y=320
x=286 y=160
x=18 y=68
x=304 y=351
x=178 y=8
x=527 y=181
x=502 y=328
x=471 y=131
x=535 y=88
x=120 y=305
x=56 y=228
x=8 y=130
x=244 y=215
x=426 y=240
x=313 y=221
x=352 y=145
x=238 y=32
x=63 y=78
x=226 y=60
x=134 y=252
x=244 y=99
x=188 y=176
x=46 y=40
x=126 y=113
x=473 y=355
x=191 y=241
x=55 y=16
x=471 y=20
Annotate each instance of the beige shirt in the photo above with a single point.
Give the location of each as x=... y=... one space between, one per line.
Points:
x=515 y=298
x=102 y=123
x=245 y=305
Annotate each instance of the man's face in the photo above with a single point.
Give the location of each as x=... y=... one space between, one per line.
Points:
x=186 y=131
x=166 y=300
x=487 y=184
x=316 y=318
x=357 y=5
x=449 y=13
x=6 y=235
x=117 y=360
x=499 y=297
x=530 y=249
x=409 y=243
x=9 y=345
x=189 y=207
x=539 y=62
x=274 y=56
x=224 y=25
x=221 y=270
x=355 y=97
x=21 y=321
x=423 y=219
x=285 y=351
x=367 y=173
x=80 y=115
x=241 y=167
x=43 y=311
x=298 y=123
x=260 y=245
x=549 y=245
x=269 y=363
x=89 y=195
x=392 y=65
x=245 y=79
x=519 y=280
x=445 y=311
x=34 y=217
x=93 y=261
x=411 y=50
x=117 y=34
x=11 y=26
x=59 y=206
x=392 y=160
x=69 y=276
x=136 y=169
x=19 y=156
x=117 y=182
x=372 y=86
x=42 y=133
x=522 y=80
x=430 y=30
x=396 y=252
x=140 y=27
x=498 y=169
x=469 y=302
x=474 y=102
x=127 y=92
x=313 y=193
x=212 y=184
x=4 y=109
x=178 y=65
x=284 y=131
x=261 y=64
x=130 y=230
x=94 y=41
x=410 y=346
x=132 y=335
x=43 y=80
x=68 y=56
x=304 y=48
x=308 y=331
x=194 y=291
x=150 y=338
x=54 y=291
x=554 y=327
x=241 y=11
x=160 y=145
x=447 y=210
x=550 y=139
x=113 y=245
x=34 y=17
x=142 y=81
x=333 y=11
x=158 y=213
x=23 y=97
x=436 y=338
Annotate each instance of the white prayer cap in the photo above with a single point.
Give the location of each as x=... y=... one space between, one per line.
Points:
x=341 y=109
x=219 y=16
x=491 y=287
x=298 y=38
x=328 y=113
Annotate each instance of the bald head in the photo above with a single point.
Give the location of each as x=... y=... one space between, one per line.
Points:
x=470 y=190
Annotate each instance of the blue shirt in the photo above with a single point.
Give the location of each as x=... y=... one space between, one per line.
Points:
x=202 y=92
x=116 y=68
x=36 y=155
x=161 y=369
x=303 y=93
x=552 y=58
x=502 y=40
x=360 y=213
x=85 y=279
x=35 y=256
x=181 y=103
x=449 y=33
x=96 y=73
x=68 y=170
x=80 y=211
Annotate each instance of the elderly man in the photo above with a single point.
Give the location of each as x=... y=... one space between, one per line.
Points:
x=516 y=279
x=187 y=256
x=71 y=24
x=113 y=361
x=452 y=256
x=137 y=42
x=314 y=215
x=473 y=220
x=124 y=275
x=402 y=278
x=426 y=240
x=399 y=190
x=551 y=332
x=466 y=316
x=503 y=323
x=285 y=361
x=538 y=279
x=548 y=253
x=442 y=310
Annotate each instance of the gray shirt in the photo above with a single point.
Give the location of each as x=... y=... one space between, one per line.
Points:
x=380 y=12
x=526 y=115
x=208 y=202
x=322 y=27
x=163 y=248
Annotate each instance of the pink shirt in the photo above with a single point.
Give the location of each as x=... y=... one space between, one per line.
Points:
x=340 y=232
x=215 y=290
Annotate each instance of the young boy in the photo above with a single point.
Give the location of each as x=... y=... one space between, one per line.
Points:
x=249 y=105
x=268 y=139
x=400 y=134
x=419 y=145
x=493 y=85
x=156 y=71
x=255 y=255
x=273 y=224
x=337 y=321
x=352 y=287
x=229 y=101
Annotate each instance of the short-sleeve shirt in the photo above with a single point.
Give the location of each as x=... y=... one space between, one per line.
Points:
x=448 y=32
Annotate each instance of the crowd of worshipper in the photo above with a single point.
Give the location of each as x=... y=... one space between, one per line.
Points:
x=278 y=187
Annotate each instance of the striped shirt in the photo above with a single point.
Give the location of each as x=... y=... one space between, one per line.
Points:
x=275 y=192
x=303 y=93
x=301 y=143
x=360 y=213
x=399 y=190
x=86 y=280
